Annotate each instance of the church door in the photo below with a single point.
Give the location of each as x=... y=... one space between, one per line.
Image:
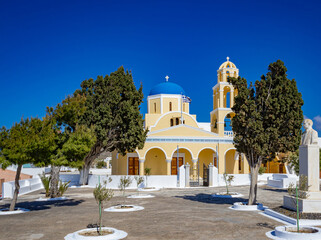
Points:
x=133 y=166
x=174 y=164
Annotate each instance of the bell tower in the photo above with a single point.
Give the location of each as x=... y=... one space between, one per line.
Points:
x=223 y=99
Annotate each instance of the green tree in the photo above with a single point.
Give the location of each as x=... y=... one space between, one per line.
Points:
x=112 y=108
x=74 y=141
x=268 y=118
x=28 y=141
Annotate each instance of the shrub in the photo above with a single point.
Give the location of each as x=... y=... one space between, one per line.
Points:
x=228 y=180
x=102 y=194
x=45 y=182
x=124 y=183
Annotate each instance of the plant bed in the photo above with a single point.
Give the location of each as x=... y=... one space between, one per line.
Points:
x=51 y=199
x=92 y=234
x=5 y=211
x=141 y=196
x=148 y=189
x=290 y=232
x=292 y=213
x=124 y=208
x=229 y=195
x=242 y=206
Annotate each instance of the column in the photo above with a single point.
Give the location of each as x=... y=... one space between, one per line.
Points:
x=168 y=166
x=141 y=167
x=187 y=167
x=194 y=169
x=221 y=98
x=210 y=175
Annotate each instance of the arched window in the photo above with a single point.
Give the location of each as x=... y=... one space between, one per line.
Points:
x=155 y=107
x=177 y=121
x=228 y=100
x=170 y=106
x=172 y=122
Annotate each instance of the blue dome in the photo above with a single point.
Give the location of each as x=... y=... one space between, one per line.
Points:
x=167 y=88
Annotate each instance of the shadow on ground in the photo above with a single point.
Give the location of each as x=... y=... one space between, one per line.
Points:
x=38 y=206
x=207 y=198
x=275 y=189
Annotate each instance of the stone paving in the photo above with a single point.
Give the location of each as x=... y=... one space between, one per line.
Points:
x=173 y=214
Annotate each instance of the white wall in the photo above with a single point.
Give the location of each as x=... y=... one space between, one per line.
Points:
x=26 y=186
x=157 y=181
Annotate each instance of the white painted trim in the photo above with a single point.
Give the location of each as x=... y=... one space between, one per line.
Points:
x=172 y=113
x=221 y=109
x=183 y=125
x=135 y=154
x=166 y=157
x=204 y=149
x=220 y=83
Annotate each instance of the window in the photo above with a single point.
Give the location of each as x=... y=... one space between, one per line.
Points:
x=154 y=107
x=172 y=122
x=170 y=106
x=240 y=162
x=177 y=121
x=184 y=107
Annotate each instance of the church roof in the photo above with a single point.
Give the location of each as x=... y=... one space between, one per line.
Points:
x=167 y=88
x=227 y=64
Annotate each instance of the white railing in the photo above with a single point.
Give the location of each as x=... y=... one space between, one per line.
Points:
x=228 y=133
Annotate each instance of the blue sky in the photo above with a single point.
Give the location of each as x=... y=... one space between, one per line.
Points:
x=48 y=47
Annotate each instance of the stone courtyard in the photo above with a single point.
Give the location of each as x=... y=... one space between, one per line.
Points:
x=173 y=214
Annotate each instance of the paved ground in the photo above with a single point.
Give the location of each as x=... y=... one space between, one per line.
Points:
x=172 y=214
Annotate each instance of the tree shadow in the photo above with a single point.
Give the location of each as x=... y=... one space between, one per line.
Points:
x=207 y=198
x=44 y=205
x=275 y=189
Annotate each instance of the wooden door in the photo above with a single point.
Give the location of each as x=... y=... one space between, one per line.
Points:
x=174 y=164
x=133 y=166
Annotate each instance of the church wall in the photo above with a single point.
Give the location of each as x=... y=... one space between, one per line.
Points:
x=175 y=104
x=156 y=160
x=164 y=122
x=151 y=103
x=151 y=119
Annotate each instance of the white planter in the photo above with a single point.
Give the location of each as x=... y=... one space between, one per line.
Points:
x=116 y=209
x=141 y=196
x=18 y=211
x=242 y=206
x=117 y=234
x=51 y=199
x=231 y=195
x=148 y=189
x=281 y=232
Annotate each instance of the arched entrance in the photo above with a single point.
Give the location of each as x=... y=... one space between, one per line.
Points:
x=231 y=165
x=205 y=157
x=184 y=156
x=155 y=159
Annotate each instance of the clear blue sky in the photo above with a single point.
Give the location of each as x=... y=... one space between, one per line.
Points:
x=48 y=47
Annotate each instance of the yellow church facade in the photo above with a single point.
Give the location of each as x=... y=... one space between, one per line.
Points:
x=176 y=138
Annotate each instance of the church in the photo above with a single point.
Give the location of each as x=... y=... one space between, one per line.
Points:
x=176 y=138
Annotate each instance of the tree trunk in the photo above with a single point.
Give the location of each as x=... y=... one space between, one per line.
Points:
x=17 y=188
x=84 y=173
x=53 y=190
x=253 y=187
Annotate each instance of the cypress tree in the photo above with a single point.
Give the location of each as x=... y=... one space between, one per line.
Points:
x=268 y=118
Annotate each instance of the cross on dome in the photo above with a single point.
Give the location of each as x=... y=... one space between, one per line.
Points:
x=228 y=59
x=167 y=77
